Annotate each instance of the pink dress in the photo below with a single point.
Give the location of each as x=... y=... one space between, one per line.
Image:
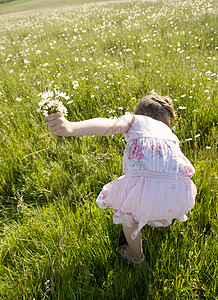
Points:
x=156 y=186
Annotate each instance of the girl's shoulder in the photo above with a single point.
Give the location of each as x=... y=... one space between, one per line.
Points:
x=144 y=126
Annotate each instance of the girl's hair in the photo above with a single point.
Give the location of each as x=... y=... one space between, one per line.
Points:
x=157 y=107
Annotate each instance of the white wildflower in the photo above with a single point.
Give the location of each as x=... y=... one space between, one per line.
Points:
x=75 y=84
x=47 y=95
x=49 y=104
x=61 y=94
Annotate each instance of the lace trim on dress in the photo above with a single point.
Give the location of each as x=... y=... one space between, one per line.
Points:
x=153 y=174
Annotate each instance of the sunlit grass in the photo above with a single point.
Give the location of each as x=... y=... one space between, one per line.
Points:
x=55 y=242
x=17 y=6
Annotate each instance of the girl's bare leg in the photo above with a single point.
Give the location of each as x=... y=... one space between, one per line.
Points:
x=134 y=245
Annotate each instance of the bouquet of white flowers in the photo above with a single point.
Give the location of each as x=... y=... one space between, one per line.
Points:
x=50 y=102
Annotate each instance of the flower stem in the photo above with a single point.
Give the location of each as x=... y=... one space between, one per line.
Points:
x=58 y=142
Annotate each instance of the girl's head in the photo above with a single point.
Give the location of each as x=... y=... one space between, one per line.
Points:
x=157 y=107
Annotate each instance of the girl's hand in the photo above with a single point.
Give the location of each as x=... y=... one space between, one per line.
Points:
x=58 y=125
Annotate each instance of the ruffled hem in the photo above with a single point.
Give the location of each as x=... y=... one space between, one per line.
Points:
x=152 y=201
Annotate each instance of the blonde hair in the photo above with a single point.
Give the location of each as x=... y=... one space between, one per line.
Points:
x=157 y=107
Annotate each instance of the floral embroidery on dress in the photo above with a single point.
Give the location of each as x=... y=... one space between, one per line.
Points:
x=120 y=213
x=186 y=171
x=158 y=223
x=156 y=151
x=102 y=197
x=135 y=154
x=184 y=167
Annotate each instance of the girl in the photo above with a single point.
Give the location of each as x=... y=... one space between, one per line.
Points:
x=156 y=187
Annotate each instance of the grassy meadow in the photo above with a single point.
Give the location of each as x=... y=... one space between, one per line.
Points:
x=55 y=243
x=20 y=6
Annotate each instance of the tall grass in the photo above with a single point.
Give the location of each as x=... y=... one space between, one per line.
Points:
x=55 y=242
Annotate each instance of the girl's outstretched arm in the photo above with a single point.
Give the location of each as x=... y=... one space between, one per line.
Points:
x=59 y=126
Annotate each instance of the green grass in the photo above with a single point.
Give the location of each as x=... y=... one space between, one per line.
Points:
x=17 y=6
x=55 y=242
